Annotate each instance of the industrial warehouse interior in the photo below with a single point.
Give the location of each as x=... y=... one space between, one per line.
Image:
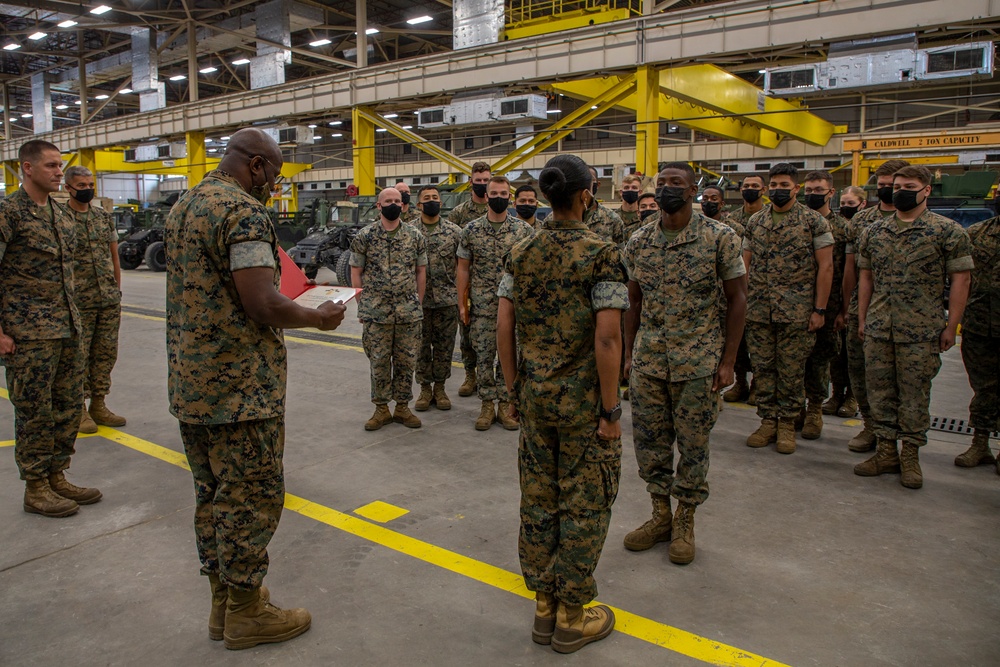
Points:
x=403 y=543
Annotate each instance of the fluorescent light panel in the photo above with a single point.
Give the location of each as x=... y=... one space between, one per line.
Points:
x=389 y=116
x=208 y=70
x=320 y=42
x=124 y=91
x=418 y=20
x=334 y=123
x=10 y=47
x=242 y=61
x=101 y=97
x=100 y=9
x=68 y=23
x=178 y=77
x=35 y=36
x=60 y=107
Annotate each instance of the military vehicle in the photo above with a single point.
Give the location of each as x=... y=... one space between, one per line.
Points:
x=145 y=244
x=328 y=240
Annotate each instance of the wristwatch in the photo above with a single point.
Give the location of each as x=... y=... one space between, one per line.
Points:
x=612 y=415
x=819 y=311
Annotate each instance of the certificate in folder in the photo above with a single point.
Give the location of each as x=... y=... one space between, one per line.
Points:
x=297 y=287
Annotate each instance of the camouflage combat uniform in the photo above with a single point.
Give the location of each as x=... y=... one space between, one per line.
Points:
x=906 y=317
x=737 y=219
x=677 y=350
x=389 y=306
x=780 y=301
x=462 y=215
x=440 y=303
x=981 y=327
x=38 y=311
x=605 y=223
x=631 y=221
x=827 y=347
x=98 y=297
x=411 y=217
x=485 y=248
x=568 y=476
x=226 y=376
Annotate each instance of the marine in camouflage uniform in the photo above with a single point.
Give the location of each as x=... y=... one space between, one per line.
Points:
x=485 y=247
x=908 y=266
x=676 y=352
x=605 y=223
x=38 y=311
x=389 y=306
x=981 y=342
x=631 y=221
x=440 y=323
x=568 y=475
x=780 y=302
x=462 y=215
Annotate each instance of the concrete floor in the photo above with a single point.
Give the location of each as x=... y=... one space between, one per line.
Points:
x=799 y=561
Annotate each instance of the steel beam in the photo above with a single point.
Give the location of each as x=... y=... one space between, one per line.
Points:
x=364 y=151
x=647 y=121
x=197 y=158
x=11 y=176
x=429 y=147
x=87 y=158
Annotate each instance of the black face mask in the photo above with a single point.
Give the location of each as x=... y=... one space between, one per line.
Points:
x=710 y=208
x=526 y=211
x=431 y=208
x=630 y=196
x=906 y=200
x=885 y=194
x=405 y=196
x=645 y=214
x=780 y=196
x=658 y=192
x=750 y=196
x=391 y=211
x=499 y=204
x=815 y=202
x=849 y=211
x=672 y=199
x=84 y=196
x=479 y=189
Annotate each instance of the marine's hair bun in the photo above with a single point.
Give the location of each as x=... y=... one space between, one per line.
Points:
x=552 y=182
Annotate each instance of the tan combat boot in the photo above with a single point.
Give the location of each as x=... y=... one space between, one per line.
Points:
x=885 y=461
x=402 y=415
x=682 y=544
x=379 y=419
x=503 y=416
x=39 y=498
x=87 y=423
x=909 y=462
x=800 y=420
x=979 y=453
x=752 y=396
x=424 y=400
x=832 y=404
x=251 y=620
x=786 y=436
x=101 y=415
x=220 y=596
x=656 y=529
x=469 y=386
x=624 y=393
x=576 y=627
x=765 y=435
x=738 y=392
x=813 y=428
x=849 y=407
x=864 y=441
x=545 y=618
x=441 y=399
x=78 y=494
x=486 y=416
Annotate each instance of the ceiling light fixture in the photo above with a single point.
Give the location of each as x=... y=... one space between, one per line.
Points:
x=381 y=129
x=178 y=77
x=418 y=20
x=334 y=123
x=320 y=42
x=407 y=127
x=242 y=61
x=35 y=36
x=124 y=91
x=68 y=23
x=208 y=70
x=100 y=9
x=371 y=31
x=101 y=97
x=316 y=137
x=60 y=107
x=78 y=103
x=336 y=135
x=312 y=127
x=550 y=111
x=26 y=115
x=389 y=116
x=11 y=46
x=224 y=139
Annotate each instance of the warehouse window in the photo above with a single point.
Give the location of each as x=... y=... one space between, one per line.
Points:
x=829 y=164
x=470 y=143
x=434 y=180
x=762 y=166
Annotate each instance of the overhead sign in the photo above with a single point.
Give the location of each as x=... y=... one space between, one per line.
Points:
x=940 y=140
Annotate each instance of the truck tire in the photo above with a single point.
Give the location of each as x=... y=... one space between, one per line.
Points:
x=127 y=263
x=344 y=269
x=156 y=256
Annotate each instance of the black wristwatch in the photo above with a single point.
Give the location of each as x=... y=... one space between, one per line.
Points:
x=612 y=415
x=819 y=311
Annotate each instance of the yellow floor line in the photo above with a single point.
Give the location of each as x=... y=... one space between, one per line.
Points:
x=380 y=511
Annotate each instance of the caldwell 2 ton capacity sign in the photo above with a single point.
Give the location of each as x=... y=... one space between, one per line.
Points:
x=925 y=141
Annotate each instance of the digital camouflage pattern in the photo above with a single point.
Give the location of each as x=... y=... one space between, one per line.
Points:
x=392 y=354
x=466 y=212
x=93 y=266
x=981 y=327
x=411 y=217
x=389 y=263
x=99 y=347
x=838 y=227
x=557 y=281
x=782 y=271
x=632 y=222
x=664 y=413
x=490 y=383
x=223 y=367
x=981 y=356
x=239 y=487
x=485 y=248
x=827 y=347
x=442 y=246
x=899 y=387
x=36 y=272
x=605 y=223
x=779 y=352
x=679 y=336
x=437 y=344
x=45 y=385
x=737 y=218
x=861 y=221
x=909 y=269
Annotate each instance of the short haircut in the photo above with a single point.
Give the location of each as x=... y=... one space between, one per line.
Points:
x=525 y=188
x=480 y=167
x=855 y=191
x=646 y=195
x=500 y=179
x=820 y=176
x=717 y=188
x=922 y=174
x=757 y=176
x=77 y=170
x=784 y=169
x=681 y=166
x=890 y=167
x=427 y=187
x=631 y=178
x=30 y=151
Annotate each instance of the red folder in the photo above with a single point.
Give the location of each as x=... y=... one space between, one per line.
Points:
x=293 y=282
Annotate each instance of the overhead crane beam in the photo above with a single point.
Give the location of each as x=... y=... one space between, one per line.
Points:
x=415 y=140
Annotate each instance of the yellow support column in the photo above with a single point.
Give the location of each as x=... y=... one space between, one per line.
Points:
x=12 y=176
x=293 y=205
x=647 y=121
x=364 y=152
x=87 y=158
x=196 y=158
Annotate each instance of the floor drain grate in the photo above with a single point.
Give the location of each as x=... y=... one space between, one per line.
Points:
x=951 y=425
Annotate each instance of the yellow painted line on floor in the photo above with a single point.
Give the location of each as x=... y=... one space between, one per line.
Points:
x=10 y=443
x=853 y=422
x=381 y=512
